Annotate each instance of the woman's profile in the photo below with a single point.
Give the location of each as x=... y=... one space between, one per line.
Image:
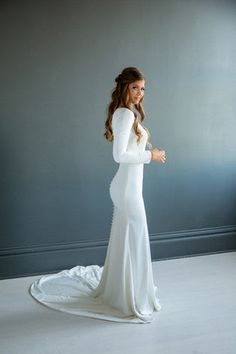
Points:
x=123 y=290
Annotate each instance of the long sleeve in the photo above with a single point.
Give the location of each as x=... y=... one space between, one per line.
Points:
x=122 y=126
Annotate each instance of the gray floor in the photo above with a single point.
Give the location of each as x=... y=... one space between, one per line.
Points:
x=198 y=316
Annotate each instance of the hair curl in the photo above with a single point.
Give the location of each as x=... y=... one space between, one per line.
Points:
x=120 y=98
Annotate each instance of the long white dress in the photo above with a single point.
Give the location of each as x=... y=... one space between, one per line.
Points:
x=123 y=289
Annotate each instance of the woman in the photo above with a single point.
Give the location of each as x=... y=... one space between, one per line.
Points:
x=123 y=289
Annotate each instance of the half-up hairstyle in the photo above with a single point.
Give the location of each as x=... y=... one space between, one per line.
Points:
x=120 y=98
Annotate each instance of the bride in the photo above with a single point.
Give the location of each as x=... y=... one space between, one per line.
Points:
x=122 y=290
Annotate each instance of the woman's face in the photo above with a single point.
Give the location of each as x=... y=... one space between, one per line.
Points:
x=136 y=91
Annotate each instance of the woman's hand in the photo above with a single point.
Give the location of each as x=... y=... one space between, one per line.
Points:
x=158 y=155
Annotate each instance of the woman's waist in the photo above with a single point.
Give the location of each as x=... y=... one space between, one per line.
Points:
x=123 y=166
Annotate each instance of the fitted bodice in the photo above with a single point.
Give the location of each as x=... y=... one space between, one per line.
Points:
x=126 y=149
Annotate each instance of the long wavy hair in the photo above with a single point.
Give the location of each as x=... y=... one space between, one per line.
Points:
x=120 y=98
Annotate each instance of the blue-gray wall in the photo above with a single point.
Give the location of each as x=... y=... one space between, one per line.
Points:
x=58 y=64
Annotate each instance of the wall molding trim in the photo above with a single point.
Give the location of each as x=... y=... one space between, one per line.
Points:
x=44 y=259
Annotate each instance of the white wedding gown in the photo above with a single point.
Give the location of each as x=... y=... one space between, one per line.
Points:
x=123 y=289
